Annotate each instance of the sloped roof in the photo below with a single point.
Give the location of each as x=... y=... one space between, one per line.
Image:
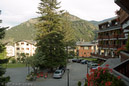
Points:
x=28 y=41
x=79 y=43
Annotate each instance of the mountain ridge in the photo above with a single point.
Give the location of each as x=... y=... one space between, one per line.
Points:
x=26 y=31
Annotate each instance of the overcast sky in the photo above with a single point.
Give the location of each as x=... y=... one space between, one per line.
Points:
x=15 y=12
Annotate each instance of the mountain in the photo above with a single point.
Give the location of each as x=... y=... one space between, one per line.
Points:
x=99 y=22
x=26 y=31
x=95 y=22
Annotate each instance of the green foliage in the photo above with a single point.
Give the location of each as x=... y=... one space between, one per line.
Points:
x=3 y=54
x=14 y=65
x=50 y=36
x=23 y=57
x=13 y=60
x=53 y=50
x=27 y=30
x=3 y=80
x=79 y=83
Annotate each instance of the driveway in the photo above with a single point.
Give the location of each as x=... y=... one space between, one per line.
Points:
x=77 y=73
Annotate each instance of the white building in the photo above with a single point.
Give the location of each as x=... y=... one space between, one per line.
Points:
x=10 y=50
x=24 y=46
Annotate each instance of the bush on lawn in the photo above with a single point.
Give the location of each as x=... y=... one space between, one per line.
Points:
x=13 y=60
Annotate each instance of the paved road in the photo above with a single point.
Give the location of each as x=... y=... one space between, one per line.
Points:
x=77 y=73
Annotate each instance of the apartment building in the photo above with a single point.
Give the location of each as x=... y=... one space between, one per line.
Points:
x=10 y=50
x=84 y=49
x=123 y=15
x=24 y=46
x=111 y=38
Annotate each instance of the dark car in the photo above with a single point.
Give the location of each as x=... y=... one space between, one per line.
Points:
x=74 y=60
x=62 y=68
x=84 y=62
x=79 y=60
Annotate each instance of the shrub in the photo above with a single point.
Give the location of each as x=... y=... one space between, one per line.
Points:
x=13 y=60
x=103 y=77
x=79 y=83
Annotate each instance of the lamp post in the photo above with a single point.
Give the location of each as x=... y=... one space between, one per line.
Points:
x=67 y=77
x=28 y=67
x=87 y=68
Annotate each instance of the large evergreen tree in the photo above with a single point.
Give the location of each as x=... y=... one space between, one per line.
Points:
x=50 y=35
x=3 y=79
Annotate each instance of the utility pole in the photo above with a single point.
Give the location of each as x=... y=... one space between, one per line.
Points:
x=67 y=77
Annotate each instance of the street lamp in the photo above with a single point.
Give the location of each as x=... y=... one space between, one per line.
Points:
x=87 y=68
x=67 y=77
x=28 y=67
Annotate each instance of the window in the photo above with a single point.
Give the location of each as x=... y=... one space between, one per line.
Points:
x=78 y=47
x=86 y=48
x=17 y=44
x=27 y=54
x=27 y=48
x=22 y=49
x=84 y=52
x=18 y=48
x=18 y=54
x=22 y=43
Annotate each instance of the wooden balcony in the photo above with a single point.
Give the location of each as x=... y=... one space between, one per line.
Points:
x=123 y=16
x=102 y=56
x=123 y=68
x=121 y=36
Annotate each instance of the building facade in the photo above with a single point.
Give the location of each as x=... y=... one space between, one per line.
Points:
x=111 y=38
x=26 y=47
x=123 y=15
x=10 y=50
x=84 y=49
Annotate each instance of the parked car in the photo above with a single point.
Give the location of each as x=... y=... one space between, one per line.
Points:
x=63 y=68
x=93 y=65
x=84 y=61
x=74 y=60
x=58 y=74
x=89 y=63
x=79 y=60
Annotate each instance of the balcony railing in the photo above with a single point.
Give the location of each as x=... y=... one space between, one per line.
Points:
x=102 y=56
x=109 y=46
x=110 y=28
x=123 y=68
x=121 y=36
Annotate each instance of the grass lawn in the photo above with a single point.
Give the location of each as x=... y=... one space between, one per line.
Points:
x=16 y=65
x=90 y=59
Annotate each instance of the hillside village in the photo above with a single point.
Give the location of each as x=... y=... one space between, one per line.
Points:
x=87 y=53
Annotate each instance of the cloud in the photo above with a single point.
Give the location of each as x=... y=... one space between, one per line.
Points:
x=15 y=12
x=90 y=9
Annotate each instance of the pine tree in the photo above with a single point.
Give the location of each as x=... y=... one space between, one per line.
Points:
x=3 y=79
x=50 y=35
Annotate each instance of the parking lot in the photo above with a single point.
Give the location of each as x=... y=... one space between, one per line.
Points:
x=77 y=72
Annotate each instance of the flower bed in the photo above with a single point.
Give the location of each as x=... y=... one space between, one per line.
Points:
x=103 y=77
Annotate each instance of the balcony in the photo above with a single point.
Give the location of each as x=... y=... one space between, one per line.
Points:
x=102 y=56
x=114 y=36
x=123 y=68
x=121 y=36
x=105 y=37
x=109 y=28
